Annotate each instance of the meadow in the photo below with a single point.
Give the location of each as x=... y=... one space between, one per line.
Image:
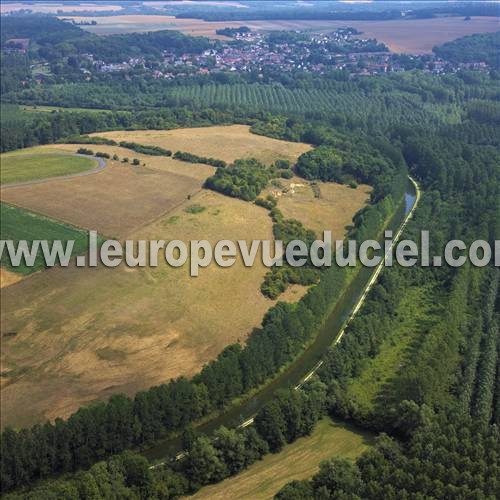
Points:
x=414 y=316
x=226 y=143
x=127 y=329
x=299 y=460
x=41 y=164
x=414 y=36
x=330 y=209
x=116 y=200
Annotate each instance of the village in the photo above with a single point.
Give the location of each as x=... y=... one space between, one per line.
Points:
x=255 y=52
x=249 y=51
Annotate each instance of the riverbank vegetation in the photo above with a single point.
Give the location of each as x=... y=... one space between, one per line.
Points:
x=435 y=369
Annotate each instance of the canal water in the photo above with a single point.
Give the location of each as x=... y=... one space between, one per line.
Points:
x=292 y=376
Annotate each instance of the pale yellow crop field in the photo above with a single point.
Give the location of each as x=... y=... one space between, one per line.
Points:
x=225 y=142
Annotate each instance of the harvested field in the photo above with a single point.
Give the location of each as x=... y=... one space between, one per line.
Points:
x=226 y=143
x=111 y=25
x=123 y=329
x=72 y=336
x=116 y=200
x=299 y=460
x=40 y=163
x=415 y=36
x=332 y=211
x=55 y=8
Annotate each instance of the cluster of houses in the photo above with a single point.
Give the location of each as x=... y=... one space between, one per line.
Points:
x=253 y=52
x=256 y=52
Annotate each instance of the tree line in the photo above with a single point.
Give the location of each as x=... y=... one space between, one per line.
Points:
x=103 y=429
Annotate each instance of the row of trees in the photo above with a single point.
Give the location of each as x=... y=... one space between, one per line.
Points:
x=20 y=128
x=206 y=459
x=192 y=158
x=279 y=278
x=98 y=431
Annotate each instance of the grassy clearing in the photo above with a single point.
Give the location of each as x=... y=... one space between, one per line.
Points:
x=299 y=460
x=332 y=210
x=226 y=143
x=416 y=308
x=39 y=164
x=17 y=224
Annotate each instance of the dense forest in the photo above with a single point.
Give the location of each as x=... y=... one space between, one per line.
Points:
x=446 y=457
x=56 y=39
x=484 y=48
x=439 y=401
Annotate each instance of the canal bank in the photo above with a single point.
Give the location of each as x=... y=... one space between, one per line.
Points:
x=242 y=412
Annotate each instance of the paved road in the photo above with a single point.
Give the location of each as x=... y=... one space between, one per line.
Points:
x=101 y=165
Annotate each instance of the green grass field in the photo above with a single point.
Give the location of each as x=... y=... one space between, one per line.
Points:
x=18 y=224
x=19 y=167
x=414 y=313
x=299 y=460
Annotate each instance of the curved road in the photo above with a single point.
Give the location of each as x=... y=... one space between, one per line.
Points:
x=355 y=309
x=101 y=165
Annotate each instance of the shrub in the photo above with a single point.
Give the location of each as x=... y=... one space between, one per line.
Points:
x=85 y=151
